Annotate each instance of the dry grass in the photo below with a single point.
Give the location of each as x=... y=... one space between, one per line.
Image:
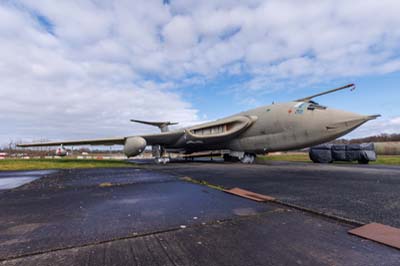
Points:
x=290 y=157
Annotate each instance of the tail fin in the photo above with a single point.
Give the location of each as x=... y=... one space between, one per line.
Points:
x=163 y=126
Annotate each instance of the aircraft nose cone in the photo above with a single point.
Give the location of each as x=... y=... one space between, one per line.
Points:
x=341 y=121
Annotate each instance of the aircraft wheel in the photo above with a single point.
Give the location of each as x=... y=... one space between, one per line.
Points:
x=162 y=160
x=228 y=158
x=248 y=158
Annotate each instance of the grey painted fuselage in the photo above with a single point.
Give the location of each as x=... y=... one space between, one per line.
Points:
x=283 y=126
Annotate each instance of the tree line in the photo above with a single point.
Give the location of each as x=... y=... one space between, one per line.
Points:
x=384 y=137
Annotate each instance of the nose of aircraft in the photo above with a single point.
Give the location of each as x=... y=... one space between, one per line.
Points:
x=342 y=122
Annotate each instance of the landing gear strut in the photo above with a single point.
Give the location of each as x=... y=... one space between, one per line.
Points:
x=160 y=154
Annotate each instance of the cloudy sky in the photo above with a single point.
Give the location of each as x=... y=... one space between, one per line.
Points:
x=78 y=68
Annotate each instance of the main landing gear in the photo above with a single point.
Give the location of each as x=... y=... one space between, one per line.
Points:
x=162 y=160
x=243 y=157
x=248 y=158
x=160 y=154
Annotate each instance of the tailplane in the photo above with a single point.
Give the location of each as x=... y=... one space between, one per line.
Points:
x=163 y=126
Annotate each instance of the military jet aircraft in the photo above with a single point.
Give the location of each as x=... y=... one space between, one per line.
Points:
x=278 y=127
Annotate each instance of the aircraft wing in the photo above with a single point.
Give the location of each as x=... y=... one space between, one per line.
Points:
x=151 y=139
x=105 y=141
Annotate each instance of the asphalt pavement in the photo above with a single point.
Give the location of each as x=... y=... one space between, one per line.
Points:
x=365 y=193
x=151 y=216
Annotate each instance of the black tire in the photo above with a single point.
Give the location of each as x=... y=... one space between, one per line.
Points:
x=314 y=160
x=228 y=158
x=318 y=161
x=363 y=161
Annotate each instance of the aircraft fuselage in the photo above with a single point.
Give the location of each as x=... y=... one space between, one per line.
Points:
x=281 y=127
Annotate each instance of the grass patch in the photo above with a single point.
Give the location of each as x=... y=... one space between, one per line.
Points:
x=106 y=184
x=286 y=157
x=201 y=182
x=388 y=159
x=39 y=164
x=382 y=159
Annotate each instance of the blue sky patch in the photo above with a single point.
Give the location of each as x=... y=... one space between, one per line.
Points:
x=45 y=23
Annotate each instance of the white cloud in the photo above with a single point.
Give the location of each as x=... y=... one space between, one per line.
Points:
x=98 y=63
x=180 y=32
x=395 y=122
x=83 y=81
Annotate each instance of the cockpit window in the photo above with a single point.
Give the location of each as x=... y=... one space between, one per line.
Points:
x=313 y=105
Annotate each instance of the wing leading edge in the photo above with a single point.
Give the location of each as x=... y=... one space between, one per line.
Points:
x=105 y=141
x=165 y=138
